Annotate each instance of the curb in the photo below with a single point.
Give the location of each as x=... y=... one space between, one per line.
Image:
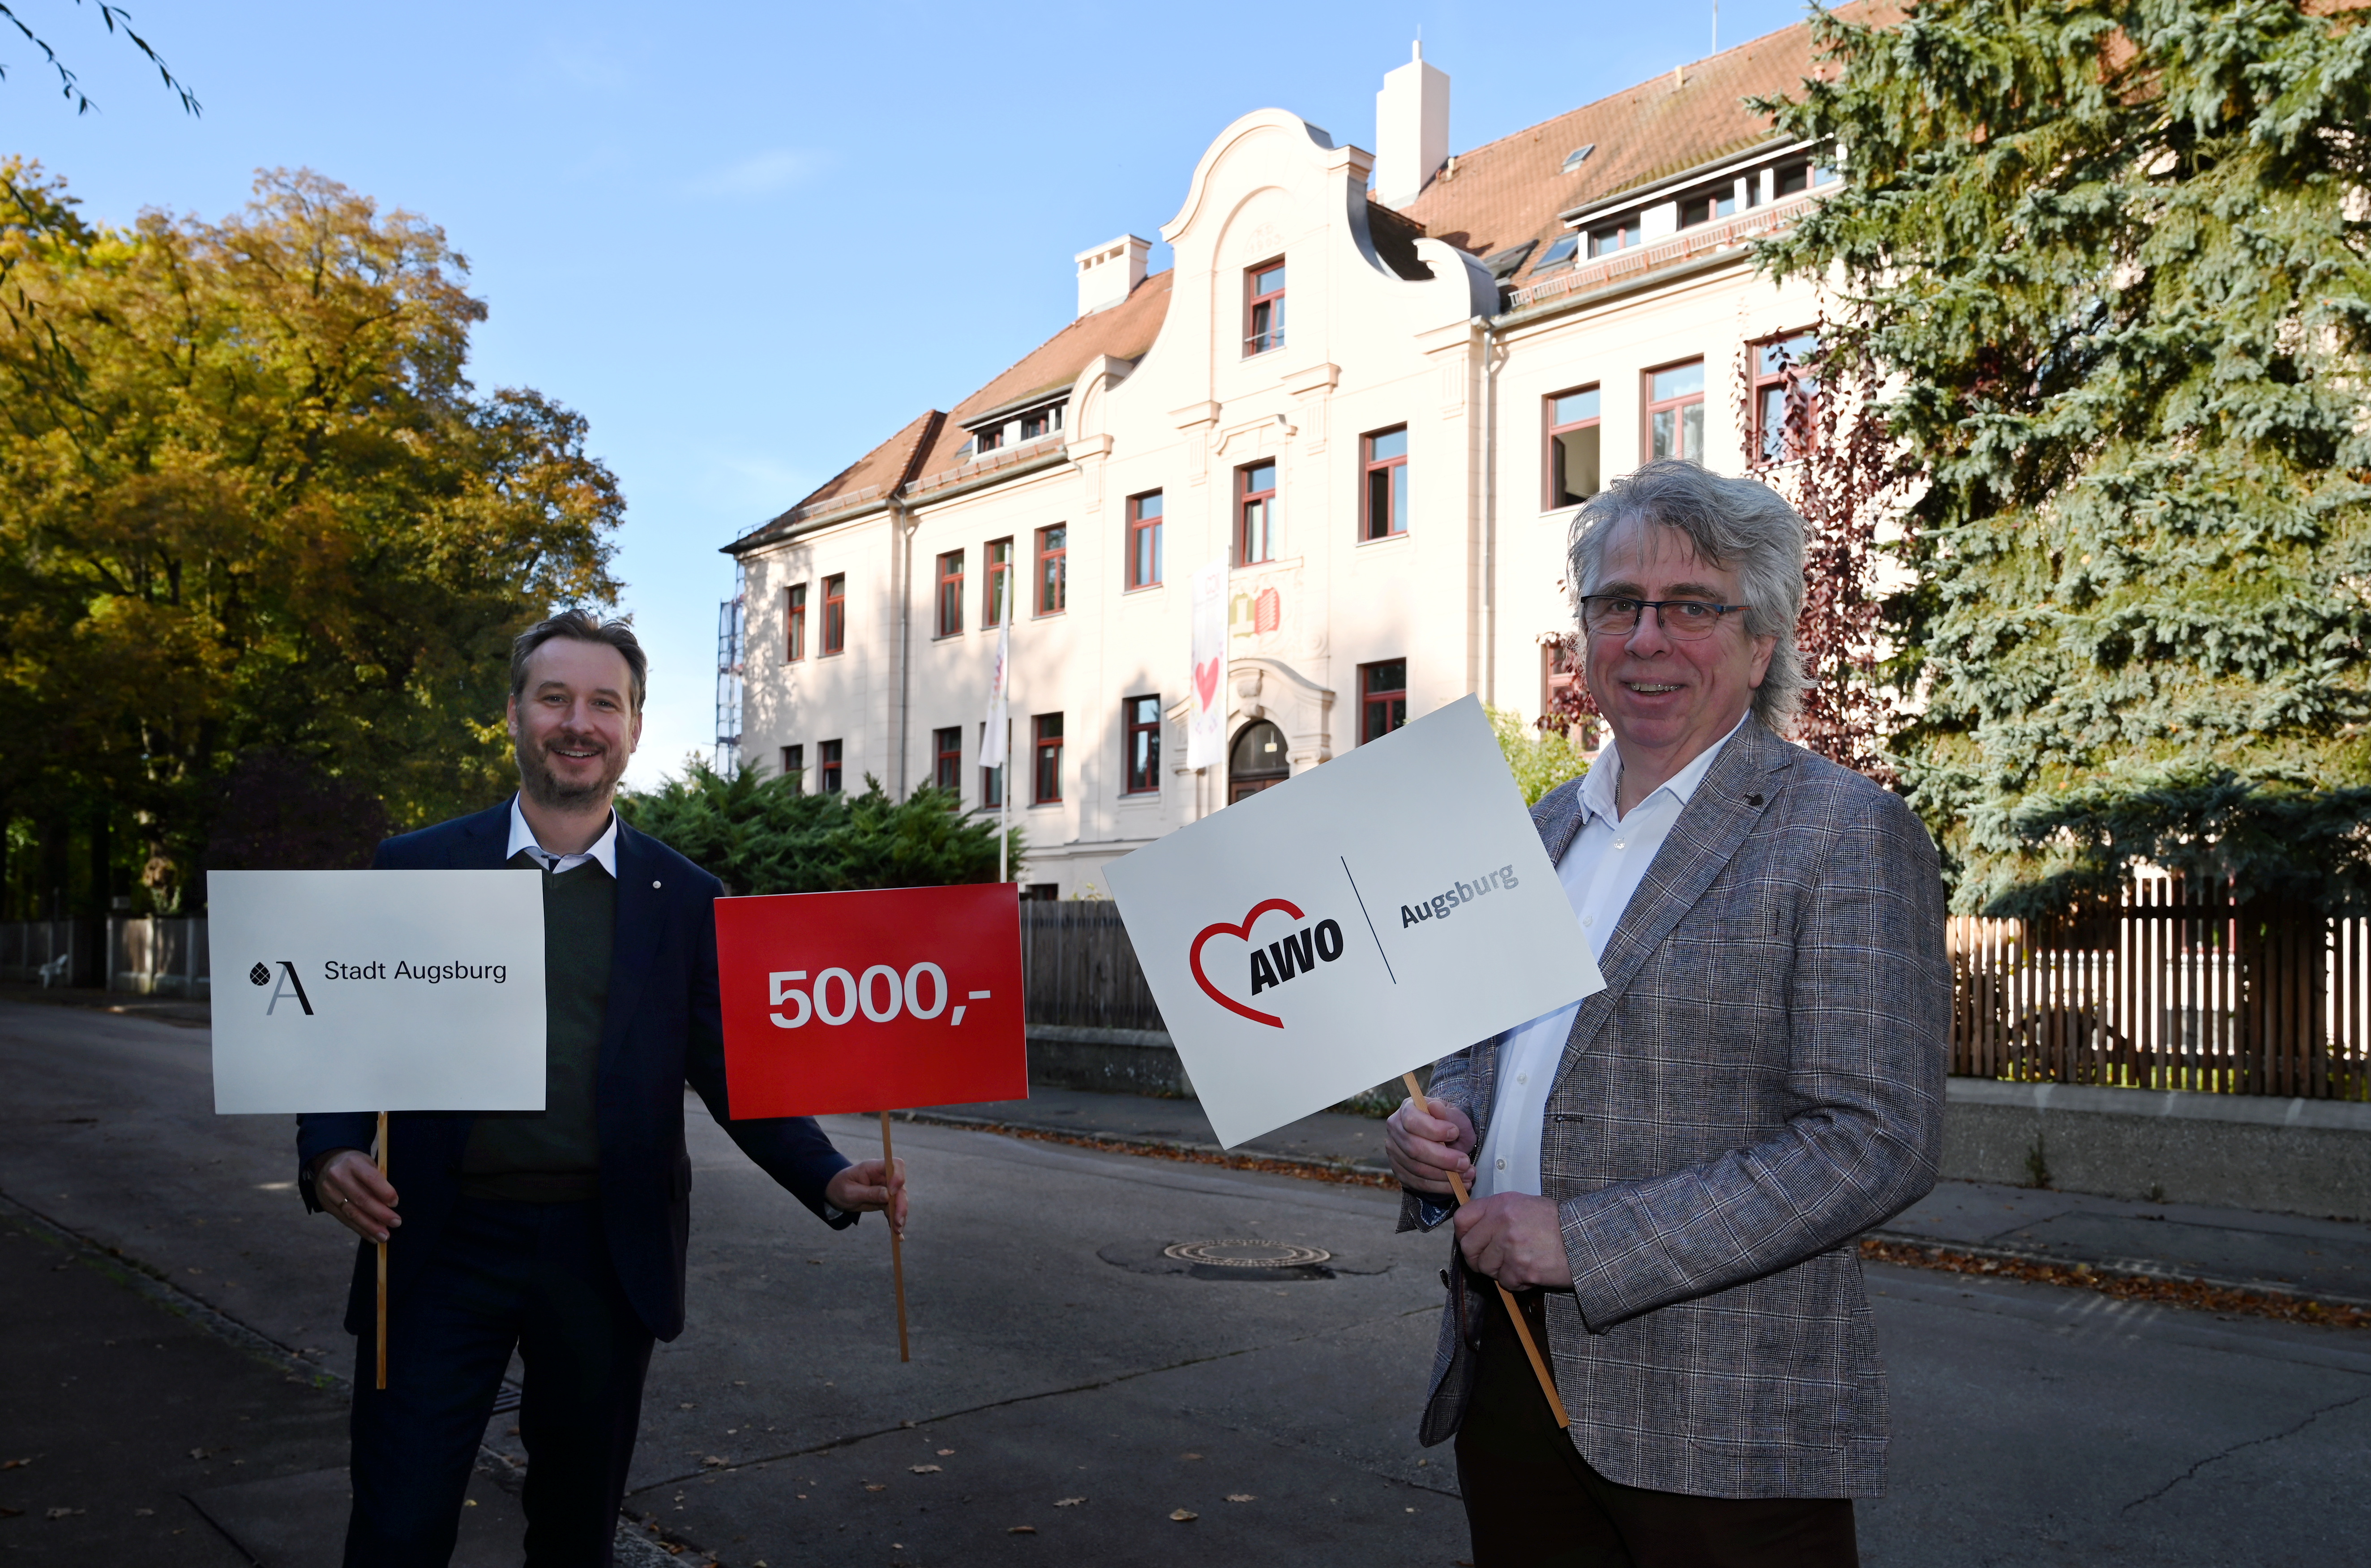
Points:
x=2148 y=1270
x=1307 y=1167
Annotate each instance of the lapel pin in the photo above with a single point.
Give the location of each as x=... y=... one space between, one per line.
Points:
x=1756 y=802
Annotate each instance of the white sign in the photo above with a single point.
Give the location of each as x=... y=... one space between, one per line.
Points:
x=1206 y=711
x=1354 y=922
x=376 y=990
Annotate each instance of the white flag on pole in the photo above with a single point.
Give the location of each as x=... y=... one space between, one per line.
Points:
x=991 y=744
x=1206 y=718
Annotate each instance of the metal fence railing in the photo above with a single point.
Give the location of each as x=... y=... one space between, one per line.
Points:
x=2171 y=987
x=158 y=956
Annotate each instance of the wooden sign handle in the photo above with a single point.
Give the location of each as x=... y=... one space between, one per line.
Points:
x=1523 y=1329
x=382 y=1263
x=896 y=1249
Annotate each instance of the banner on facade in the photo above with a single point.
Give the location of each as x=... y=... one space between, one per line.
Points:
x=991 y=733
x=1355 y=921
x=838 y=1002
x=376 y=990
x=1205 y=716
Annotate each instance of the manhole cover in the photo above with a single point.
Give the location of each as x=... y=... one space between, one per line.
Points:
x=1246 y=1254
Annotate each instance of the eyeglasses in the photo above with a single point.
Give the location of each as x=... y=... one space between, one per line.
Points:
x=1616 y=615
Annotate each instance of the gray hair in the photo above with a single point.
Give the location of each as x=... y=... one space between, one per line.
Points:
x=1742 y=525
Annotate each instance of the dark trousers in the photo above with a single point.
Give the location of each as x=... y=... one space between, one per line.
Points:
x=1532 y=1501
x=535 y=1276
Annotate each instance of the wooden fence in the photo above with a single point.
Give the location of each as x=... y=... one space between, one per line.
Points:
x=1080 y=970
x=2171 y=987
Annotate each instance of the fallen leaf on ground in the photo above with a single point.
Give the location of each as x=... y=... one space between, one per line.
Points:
x=66 y=1512
x=1068 y=1502
x=926 y=1470
x=1242 y=1497
x=13 y=1464
x=1022 y=1529
x=711 y=1460
x=197 y=1453
x=12 y=1513
x=877 y=1486
x=1189 y=1455
x=945 y=1452
x=1182 y=1515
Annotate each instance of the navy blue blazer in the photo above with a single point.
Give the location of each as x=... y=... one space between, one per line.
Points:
x=664 y=1029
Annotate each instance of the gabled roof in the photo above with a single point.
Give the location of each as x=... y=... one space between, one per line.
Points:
x=1512 y=190
x=1498 y=196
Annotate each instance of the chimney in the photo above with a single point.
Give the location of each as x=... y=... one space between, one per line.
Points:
x=1411 y=129
x=1109 y=274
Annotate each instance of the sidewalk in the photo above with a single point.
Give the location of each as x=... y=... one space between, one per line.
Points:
x=2325 y=1260
x=167 y=1010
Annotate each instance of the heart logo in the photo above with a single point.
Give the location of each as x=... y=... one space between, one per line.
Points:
x=1206 y=682
x=1194 y=954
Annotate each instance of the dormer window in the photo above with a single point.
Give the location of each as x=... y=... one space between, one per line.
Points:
x=1703 y=206
x=1045 y=421
x=1620 y=235
x=1009 y=427
x=989 y=440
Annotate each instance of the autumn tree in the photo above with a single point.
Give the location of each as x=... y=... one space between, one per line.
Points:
x=250 y=504
x=2108 y=259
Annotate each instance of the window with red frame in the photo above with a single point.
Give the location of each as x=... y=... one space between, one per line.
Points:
x=1786 y=407
x=1141 y=719
x=1675 y=412
x=1572 y=456
x=794 y=767
x=1264 y=308
x=1386 y=505
x=1382 y=698
x=1053 y=579
x=1144 y=540
x=946 y=746
x=794 y=642
x=1256 y=515
x=1046 y=742
x=951 y=585
x=828 y=767
x=835 y=614
x=996 y=597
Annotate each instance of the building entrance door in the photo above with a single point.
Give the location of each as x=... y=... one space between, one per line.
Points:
x=1257 y=761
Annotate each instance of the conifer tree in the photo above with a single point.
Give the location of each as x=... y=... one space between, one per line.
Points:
x=2111 y=260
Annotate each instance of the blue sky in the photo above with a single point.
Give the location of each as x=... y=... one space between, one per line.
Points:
x=749 y=242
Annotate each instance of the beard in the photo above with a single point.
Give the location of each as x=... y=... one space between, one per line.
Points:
x=548 y=791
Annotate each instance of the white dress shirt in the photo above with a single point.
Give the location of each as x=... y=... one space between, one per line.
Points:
x=604 y=849
x=1601 y=868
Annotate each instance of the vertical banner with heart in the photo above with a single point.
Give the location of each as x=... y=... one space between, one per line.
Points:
x=1205 y=720
x=1354 y=922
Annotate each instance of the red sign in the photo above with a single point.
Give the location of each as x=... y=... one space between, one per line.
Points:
x=872 y=1001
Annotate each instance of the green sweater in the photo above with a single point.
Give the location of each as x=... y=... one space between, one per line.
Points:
x=554 y=1155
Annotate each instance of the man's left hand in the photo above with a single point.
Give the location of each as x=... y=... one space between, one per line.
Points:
x=868 y=1187
x=1514 y=1238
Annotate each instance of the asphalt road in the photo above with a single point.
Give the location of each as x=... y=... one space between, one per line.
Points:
x=1066 y=1378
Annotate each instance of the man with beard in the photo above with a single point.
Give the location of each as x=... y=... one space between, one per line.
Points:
x=558 y=1233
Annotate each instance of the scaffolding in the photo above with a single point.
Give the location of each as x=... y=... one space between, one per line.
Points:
x=732 y=623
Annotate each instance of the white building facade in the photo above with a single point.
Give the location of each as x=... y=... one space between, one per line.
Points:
x=1380 y=418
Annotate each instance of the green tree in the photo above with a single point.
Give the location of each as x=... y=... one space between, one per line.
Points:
x=250 y=501
x=2111 y=260
x=1540 y=758
x=760 y=833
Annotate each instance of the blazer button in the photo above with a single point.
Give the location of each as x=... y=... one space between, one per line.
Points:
x=654 y=885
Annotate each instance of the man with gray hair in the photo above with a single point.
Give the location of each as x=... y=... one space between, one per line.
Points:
x=1669 y=1176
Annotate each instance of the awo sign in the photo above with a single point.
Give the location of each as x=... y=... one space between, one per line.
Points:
x=1357 y=920
x=378 y=990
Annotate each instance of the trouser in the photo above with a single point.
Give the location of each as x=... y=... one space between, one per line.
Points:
x=532 y=1276
x=1532 y=1501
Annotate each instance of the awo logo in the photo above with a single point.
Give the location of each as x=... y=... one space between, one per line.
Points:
x=289 y=985
x=1289 y=954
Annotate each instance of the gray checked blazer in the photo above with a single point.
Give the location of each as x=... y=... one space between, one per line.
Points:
x=1760 y=1081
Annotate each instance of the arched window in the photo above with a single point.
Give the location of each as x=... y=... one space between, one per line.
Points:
x=1257 y=760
